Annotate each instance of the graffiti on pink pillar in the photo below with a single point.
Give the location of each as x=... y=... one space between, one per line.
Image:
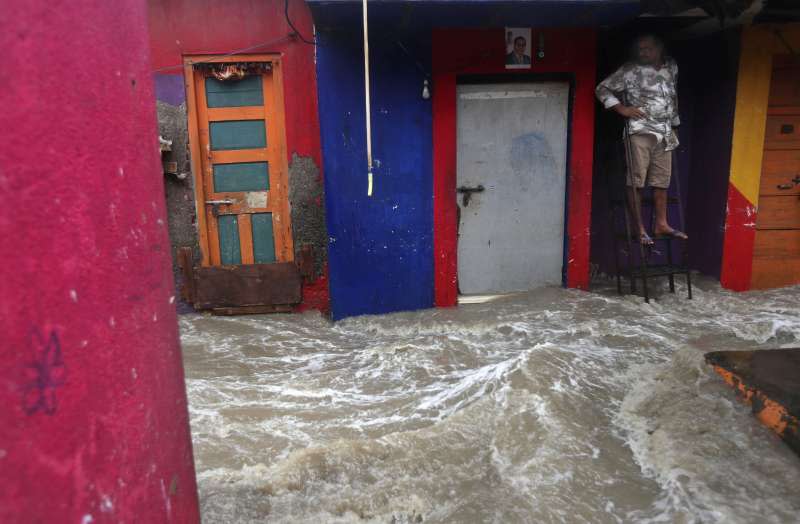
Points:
x=44 y=374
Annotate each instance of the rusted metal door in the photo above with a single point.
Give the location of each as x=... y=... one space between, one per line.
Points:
x=776 y=254
x=511 y=182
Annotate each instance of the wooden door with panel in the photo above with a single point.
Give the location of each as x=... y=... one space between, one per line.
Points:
x=776 y=253
x=243 y=164
x=238 y=151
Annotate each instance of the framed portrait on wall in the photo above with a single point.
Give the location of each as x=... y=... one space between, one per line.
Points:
x=518 y=47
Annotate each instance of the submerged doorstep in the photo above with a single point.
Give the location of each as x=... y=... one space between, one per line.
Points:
x=770 y=382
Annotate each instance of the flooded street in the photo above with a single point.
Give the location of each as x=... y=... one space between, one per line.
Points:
x=552 y=406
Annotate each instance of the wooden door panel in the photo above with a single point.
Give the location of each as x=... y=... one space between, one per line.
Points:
x=238 y=156
x=246 y=238
x=235 y=113
x=779 y=168
x=784 y=86
x=783 y=132
x=247 y=285
x=778 y=212
x=775 y=272
x=777 y=243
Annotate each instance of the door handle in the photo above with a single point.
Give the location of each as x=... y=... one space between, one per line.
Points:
x=466 y=193
x=219 y=202
x=793 y=182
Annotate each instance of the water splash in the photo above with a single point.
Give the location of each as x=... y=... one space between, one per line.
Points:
x=556 y=405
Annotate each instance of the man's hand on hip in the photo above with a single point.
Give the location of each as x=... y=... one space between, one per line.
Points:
x=629 y=112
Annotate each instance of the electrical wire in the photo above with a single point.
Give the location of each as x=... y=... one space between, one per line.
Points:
x=282 y=39
x=210 y=59
x=289 y=21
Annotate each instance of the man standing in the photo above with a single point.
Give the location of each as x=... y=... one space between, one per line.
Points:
x=518 y=56
x=648 y=87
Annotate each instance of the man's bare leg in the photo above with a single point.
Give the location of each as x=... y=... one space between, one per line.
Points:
x=662 y=227
x=635 y=211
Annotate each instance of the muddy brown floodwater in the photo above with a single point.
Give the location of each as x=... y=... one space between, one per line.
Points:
x=552 y=406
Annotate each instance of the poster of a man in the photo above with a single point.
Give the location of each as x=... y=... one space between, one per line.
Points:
x=518 y=48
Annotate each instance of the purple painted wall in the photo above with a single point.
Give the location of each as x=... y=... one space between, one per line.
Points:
x=93 y=416
x=712 y=67
x=169 y=88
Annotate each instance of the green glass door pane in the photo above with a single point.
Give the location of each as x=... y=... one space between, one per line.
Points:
x=235 y=93
x=229 y=250
x=237 y=134
x=244 y=176
x=263 y=238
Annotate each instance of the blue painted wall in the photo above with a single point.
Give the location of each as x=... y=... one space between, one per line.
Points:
x=380 y=248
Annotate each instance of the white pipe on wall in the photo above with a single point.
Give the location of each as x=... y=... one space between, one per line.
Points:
x=366 y=101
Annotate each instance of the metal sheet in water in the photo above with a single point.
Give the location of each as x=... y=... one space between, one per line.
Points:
x=551 y=406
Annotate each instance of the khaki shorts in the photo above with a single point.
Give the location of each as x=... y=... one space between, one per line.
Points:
x=651 y=163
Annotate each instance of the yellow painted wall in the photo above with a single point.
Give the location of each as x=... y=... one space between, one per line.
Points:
x=759 y=44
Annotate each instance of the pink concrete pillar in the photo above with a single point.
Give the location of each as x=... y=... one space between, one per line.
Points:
x=93 y=418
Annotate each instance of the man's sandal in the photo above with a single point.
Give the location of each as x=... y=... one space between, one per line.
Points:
x=679 y=235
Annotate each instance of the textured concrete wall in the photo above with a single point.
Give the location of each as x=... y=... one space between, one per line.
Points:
x=178 y=188
x=211 y=27
x=93 y=417
x=308 y=209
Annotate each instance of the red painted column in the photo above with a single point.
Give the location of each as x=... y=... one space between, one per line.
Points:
x=739 y=241
x=93 y=417
x=445 y=217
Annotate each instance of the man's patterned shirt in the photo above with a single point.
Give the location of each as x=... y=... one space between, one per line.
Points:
x=652 y=90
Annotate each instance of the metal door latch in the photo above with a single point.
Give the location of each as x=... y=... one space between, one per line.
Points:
x=466 y=193
x=216 y=203
x=794 y=182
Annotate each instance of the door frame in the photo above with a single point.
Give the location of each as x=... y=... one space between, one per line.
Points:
x=481 y=51
x=524 y=77
x=280 y=193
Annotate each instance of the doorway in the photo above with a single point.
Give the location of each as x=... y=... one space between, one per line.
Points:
x=239 y=166
x=236 y=115
x=511 y=185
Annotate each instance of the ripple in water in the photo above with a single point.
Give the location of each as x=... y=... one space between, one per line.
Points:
x=554 y=406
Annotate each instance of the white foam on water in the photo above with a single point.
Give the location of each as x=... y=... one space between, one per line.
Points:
x=552 y=406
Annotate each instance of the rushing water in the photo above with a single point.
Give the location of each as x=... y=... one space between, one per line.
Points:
x=552 y=406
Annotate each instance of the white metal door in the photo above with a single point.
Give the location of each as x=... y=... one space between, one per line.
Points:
x=512 y=142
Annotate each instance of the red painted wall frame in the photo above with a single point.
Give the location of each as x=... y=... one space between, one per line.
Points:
x=459 y=52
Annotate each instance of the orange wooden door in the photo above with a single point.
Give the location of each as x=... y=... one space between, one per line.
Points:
x=242 y=188
x=776 y=254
